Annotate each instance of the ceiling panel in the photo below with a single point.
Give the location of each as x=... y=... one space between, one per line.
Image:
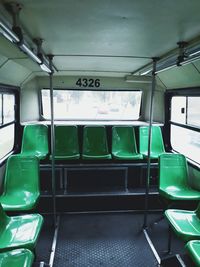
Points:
x=2 y=60
x=197 y=65
x=97 y=63
x=13 y=73
x=185 y=76
x=109 y=27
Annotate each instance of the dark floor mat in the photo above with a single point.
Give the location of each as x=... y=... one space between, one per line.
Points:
x=102 y=240
x=159 y=236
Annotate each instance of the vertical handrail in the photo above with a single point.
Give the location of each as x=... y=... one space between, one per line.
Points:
x=149 y=142
x=52 y=141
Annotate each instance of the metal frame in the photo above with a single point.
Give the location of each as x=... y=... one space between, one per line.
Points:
x=57 y=169
x=149 y=140
x=152 y=247
x=54 y=243
x=79 y=166
x=52 y=139
x=91 y=167
x=56 y=221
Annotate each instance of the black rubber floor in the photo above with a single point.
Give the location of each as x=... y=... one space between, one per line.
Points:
x=102 y=240
x=159 y=237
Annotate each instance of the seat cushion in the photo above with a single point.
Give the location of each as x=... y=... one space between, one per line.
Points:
x=21 y=232
x=16 y=258
x=174 y=192
x=193 y=248
x=185 y=223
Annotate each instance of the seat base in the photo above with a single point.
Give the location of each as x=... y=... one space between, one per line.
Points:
x=21 y=232
x=96 y=157
x=16 y=258
x=127 y=156
x=193 y=247
x=178 y=193
x=185 y=223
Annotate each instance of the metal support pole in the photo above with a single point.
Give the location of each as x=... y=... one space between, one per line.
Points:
x=149 y=141
x=52 y=141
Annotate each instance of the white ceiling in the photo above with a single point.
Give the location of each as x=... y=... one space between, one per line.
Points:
x=104 y=36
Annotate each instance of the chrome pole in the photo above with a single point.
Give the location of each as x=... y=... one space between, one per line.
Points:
x=149 y=142
x=52 y=140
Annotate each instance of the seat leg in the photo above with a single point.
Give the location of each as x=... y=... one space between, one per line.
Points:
x=169 y=240
x=159 y=219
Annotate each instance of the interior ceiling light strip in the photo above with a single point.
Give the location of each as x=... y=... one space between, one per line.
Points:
x=184 y=57
x=12 y=37
x=6 y=32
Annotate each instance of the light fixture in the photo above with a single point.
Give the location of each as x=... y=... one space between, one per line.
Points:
x=138 y=79
x=43 y=62
x=190 y=60
x=145 y=72
x=166 y=68
x=45 y=68
x=15 y=36
x=8 y=34
x=185 y=56
x=30 y=53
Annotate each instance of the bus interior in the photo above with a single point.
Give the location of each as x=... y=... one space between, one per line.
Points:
x=99 y=133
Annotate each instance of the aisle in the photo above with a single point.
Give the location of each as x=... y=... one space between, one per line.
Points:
x=106 y=240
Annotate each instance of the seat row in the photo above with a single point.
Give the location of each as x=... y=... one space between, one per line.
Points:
x=174 y=186
x=19 y=234
x=94 y=142
x=186 y=225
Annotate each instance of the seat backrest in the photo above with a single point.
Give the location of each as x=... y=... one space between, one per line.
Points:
x=66 y=140
x=123 y=139
x=22 y=174
x=17 y=257
x=157 y=145
x=198 y=210
x=4 y=219
x=173 y=170
x=35 y=139
x=95 y=140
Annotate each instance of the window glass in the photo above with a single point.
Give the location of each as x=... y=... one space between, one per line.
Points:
x=8 y=108
x=6 y=140
x=178 y=108
x=193 y=114
x=92 y=105
x=186 y=142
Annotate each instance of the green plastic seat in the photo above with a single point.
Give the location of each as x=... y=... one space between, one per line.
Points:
x=66 y=142
x=95 y=143
x=173 y=178
x=124 y=143
x=35 y=141
x=157 y=145
x=21 y=183
x=193 y=248
x=16 y=258
x=185 y=223
x=19 y=231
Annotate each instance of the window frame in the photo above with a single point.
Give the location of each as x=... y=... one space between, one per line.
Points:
x=11 y=90
x=42 y=118
x=169 y=94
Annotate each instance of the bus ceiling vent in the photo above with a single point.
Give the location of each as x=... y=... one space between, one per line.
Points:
x=15 y=35
x=185 y=53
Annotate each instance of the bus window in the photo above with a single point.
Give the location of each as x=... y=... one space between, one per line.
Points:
x=92 y=105
x=185 y=125
x=7 y=122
